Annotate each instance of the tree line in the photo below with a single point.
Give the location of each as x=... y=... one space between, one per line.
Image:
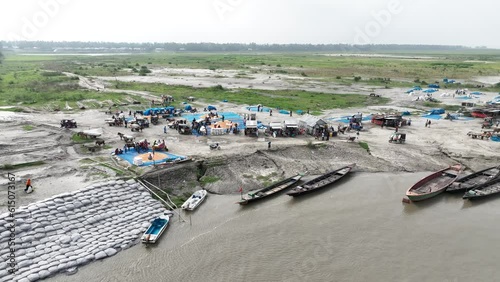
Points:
x=72 y=46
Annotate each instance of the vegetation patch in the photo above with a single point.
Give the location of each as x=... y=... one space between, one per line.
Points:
x=79 y=139
x=364 y=145
x=21 y=165
x=208 y=179
x=28 y=127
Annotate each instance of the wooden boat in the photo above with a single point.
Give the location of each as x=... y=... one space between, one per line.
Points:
x=434 y=184
x=483 y=190
x=321 y=181
x=475 y=179
x=195 y=200
x=270 y=190
x=155 y=230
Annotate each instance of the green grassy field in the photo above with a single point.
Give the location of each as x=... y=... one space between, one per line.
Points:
x=281 y=99
x=37 y=80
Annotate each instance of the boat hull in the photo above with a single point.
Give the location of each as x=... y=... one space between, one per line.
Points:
x=474 y=180
x=155 y=230
x=434 y=184
x=485 y=190
x=417 y=198
x=321 y=182
x=271 y=190
x=195 y=200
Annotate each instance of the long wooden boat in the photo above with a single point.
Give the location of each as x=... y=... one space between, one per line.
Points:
x=475 y=179
x=486 y=189
x=321 y=181
x=434 y=184
x=270 y=190
x=155 y=230
x=195 y=200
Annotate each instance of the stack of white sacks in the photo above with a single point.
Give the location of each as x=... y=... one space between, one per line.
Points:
x=73 y=229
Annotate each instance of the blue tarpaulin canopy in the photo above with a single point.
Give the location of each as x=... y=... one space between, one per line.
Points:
x=476 y=93
x=431 y=90
x=212 y=108
x=188 y=108
x=437 y=111
x=433 y=86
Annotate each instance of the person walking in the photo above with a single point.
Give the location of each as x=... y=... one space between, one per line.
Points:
x=165 y=129
x=269 y=145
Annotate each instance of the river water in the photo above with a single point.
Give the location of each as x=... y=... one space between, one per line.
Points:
x=358 y=230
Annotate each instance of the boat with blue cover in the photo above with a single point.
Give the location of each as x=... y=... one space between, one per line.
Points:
x=156 y=228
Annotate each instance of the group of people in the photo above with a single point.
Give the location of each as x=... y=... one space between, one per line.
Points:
x=428 y=123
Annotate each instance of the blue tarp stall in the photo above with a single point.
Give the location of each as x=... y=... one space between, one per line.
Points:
x=188 y=108
x=147 y=112
x=406 y=113
x=476 y=93
x=410 y=91
x=437 y=111
x=416 y=87
x=284 y=112
x=300 y=112
x=433 y=86
x=212 y=108
x=431 y=90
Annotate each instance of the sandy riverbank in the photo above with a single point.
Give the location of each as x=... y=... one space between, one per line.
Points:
x=426 y=149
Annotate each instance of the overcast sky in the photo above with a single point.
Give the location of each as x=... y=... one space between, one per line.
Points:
x=444 y=22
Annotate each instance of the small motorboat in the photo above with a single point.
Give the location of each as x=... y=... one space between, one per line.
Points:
x=156 y=228
x=195 y=200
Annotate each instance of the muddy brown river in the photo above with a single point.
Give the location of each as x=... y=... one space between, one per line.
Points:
x=358 y=230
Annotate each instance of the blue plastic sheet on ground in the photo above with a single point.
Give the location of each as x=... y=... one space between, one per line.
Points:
x=495 y=138
x=131 y=154
x=233 y=117
x=436 y=117
x=347 y=119
x=284 y=112
x=437 y=111
x=254 y=109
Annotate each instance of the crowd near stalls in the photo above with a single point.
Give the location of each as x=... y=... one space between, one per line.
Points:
x=290 y=128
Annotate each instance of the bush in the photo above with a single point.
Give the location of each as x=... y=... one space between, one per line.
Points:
x=357 y=78
x=339 y=77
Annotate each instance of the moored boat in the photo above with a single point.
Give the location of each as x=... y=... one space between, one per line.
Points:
x=195 y=200
x=321 y=181
x=155 y=230
x=486 y=189
x=434 y=184
x=270 y=190
x=475 y=179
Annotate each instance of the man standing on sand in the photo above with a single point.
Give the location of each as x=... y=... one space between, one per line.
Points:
x=165 y=129
x=28 y=188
